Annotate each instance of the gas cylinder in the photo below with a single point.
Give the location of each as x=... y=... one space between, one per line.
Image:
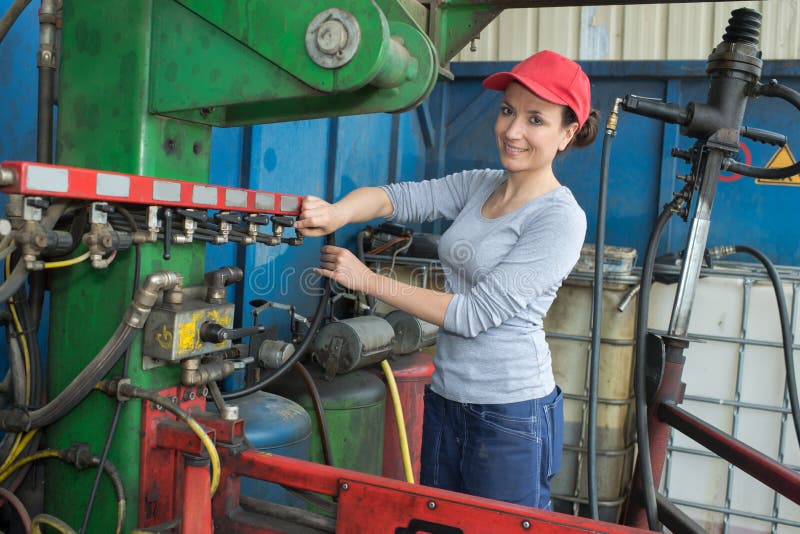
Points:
x=410 y=333
x=277 y=425
x=411 y=373
x=349 y=344
x=354 y=411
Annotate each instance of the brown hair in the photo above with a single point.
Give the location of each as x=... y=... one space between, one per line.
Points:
x=587 y=133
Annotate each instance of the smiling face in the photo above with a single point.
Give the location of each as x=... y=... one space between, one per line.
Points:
x=530 y=131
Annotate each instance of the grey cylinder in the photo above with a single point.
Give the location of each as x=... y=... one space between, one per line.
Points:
x=410 y=333
x=347 y=345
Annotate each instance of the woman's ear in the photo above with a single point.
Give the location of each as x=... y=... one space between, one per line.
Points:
x=569 y=133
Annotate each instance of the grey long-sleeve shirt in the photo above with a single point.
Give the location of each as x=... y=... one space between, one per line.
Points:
x=503 y=274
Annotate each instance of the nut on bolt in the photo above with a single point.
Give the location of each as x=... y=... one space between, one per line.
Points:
x=332 y=38
x=431 y=505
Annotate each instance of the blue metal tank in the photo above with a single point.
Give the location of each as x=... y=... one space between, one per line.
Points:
x=276 y=425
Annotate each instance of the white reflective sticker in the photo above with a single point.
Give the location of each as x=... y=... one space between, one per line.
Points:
x=265 y=201
x=113 y=185
x=48 y=179
x=236 y=198
x=168 y=191
x=202 y=194
x=290 y=203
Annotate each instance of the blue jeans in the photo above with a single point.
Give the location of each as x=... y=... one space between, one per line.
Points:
x=508 y=452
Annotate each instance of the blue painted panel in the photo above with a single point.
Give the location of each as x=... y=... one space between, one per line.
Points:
x=225 y=169
x=289 y=158
x=18 y=88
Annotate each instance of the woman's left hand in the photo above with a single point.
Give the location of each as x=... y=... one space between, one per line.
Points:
x=342 y=266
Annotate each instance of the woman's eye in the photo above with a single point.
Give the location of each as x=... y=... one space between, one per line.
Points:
x=505 y=110
x=536 y=120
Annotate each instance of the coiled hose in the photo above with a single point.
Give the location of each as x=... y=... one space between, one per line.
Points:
x=79 y=459
x=301 y=350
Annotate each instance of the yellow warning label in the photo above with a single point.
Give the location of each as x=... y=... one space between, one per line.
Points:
x=782 y=158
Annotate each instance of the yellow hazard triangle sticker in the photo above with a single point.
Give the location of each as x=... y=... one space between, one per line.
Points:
x=782 y=158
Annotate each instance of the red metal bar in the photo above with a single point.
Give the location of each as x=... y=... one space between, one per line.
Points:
x=161 y=469
x=226 y=431
x=196 y=509
x=368 y=502
x=763 y=468
x=38 y=179
x=177 y=436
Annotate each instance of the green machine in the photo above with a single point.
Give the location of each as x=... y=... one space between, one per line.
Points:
x=142 y=82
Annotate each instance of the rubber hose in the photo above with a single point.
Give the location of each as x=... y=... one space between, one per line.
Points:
x=14 y=282
x=304 y=346
x=401 y=422
x=17 y=505
x=786 y=331
x=77 y=390
x=80 y=386
x=640 y=372
x=319 y=410
x=597 y=319
x=11 y=16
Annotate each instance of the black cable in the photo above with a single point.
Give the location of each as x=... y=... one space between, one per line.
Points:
x=786 y=331
x=597 y=314
x=126 y=360
x=319 y=410
x=640 y=372
x=11 y=16
x=304 y=346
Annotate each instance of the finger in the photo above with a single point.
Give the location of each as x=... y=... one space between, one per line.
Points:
x=324 y=272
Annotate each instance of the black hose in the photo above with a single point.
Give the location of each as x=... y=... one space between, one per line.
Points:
x=11 y=16
x=786 y=331
x=640 y=372
x=14 y=282
x=319 y=410
x=76 y=391
x=304 y=346
x=597 y=314
x=793 y=97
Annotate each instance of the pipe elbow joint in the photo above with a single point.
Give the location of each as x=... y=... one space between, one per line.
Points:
x=147 y=295
x=219 y=279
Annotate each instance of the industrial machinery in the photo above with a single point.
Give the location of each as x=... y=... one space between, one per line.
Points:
x=141 y=83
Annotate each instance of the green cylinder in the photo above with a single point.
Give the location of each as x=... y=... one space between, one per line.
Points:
x=354 y=406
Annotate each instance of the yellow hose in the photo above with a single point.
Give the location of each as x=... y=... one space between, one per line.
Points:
x=212 y=452
x=50 y=521
x=67 y=263
x=19 y=446
x=22 y=341
x=401 y=423
x=28 y=459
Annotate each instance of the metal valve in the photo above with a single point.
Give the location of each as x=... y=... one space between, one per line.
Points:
x=216 y=333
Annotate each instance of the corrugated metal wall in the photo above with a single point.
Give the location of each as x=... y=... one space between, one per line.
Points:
x=657 y=31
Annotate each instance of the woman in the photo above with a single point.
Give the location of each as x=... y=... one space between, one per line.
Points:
x=493 y=414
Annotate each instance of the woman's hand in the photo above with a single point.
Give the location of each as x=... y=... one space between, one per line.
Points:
x=318 y=217
x=341 y=265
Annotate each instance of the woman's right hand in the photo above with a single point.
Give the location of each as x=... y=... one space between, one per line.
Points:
x=318 y=217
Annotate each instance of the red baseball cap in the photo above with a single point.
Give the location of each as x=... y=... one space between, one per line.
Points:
x=552 y=77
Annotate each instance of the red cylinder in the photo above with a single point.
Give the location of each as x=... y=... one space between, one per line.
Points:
x=411 y=373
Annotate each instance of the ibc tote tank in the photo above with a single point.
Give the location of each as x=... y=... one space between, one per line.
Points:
x=568 y=328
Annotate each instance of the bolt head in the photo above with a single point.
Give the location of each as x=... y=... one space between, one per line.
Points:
x=431 y=505
x=345 y=486
x=331 y=37
x=526 y=524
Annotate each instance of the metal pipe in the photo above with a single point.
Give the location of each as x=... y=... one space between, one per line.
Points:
x=11 y=16
x=758 y=465
x=676 y=519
